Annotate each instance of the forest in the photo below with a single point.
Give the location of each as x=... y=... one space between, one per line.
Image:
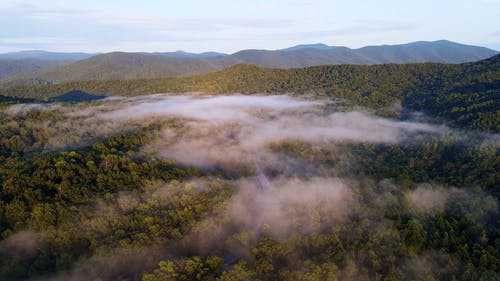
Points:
x=463 y=95
x=384 y=172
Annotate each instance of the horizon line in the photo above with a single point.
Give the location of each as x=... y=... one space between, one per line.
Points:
x=247 y=49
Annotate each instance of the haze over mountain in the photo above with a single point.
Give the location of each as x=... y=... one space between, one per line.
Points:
x=119 y=65
x=462 y=95
x=182 y=54
x=45 y=55
x=317 y=46
x=16 y=63
x=319 y=54
x=12 y=67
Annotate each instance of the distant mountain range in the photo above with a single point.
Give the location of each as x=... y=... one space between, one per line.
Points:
x=120 y=65
x=320 y=54
x=12 y=67
x=317 y=46
x=44 y=55
x=182 y=54
x=16 y=63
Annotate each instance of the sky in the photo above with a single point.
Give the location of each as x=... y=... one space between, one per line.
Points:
x=231 y=25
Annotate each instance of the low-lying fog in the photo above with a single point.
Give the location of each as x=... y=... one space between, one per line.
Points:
x=239 y=132
x=226 y=131
x=219 y=129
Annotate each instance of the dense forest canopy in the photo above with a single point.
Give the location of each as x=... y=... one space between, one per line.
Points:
x=342 y=179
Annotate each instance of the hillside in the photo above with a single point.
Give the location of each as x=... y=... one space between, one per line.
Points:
x=228 y=188
x=469 y=90
x=12 y=67
x=438 y=51
x=159 y=187
x=122 y=66
x=318 y=54
x=118 y=65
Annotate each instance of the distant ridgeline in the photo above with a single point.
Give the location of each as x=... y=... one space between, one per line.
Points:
x=463 y=95
x=38 y=67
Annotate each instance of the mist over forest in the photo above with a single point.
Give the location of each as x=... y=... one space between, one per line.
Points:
x=216 y=187
x=286 y=140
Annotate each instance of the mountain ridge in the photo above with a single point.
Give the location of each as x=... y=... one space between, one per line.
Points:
x=47 y=55
x=13 y=67
x=183 y=54
x=466 y=95
x=316 y=46
x=122 y=65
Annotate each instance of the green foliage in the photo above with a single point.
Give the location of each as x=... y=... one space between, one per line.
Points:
x=474 y=106
x=435 y=160
x=194 y=268
x=464 y=95
x=51 y=193
x=90 y=198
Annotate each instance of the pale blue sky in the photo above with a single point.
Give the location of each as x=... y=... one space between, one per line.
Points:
x=229 y=26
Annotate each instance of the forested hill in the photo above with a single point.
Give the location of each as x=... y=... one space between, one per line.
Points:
x=467 y=95
x=116 y=65
x=441 y=51
x=12 y=67
x=122 y=66
x=24 y=62
x=129 y=189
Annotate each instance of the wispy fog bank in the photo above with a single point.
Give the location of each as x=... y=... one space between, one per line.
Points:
x=217 y=108
x=277 y=194
x=250 y=123
x=234 y=130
